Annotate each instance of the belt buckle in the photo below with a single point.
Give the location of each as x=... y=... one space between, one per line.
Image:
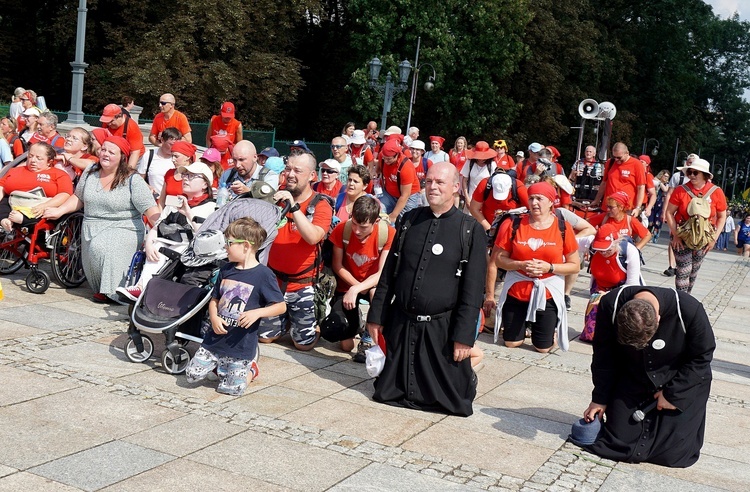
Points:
x=424 y=318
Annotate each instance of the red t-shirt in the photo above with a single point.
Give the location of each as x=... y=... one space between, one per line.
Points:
x=649 y=186
x=361 y=155
x=134 y=137
x=626 y=177
x=290 y=253
x=458 y=159
x=17 y=145
x=563 y=199
x=530 y=244
x=628 y=225
x=218 y=127
x=56 y=140
x=408 y=177
x=505 y=162
x=361 y=259
x=421 y=173
x=178 y=120
x=52 y=181
x=681 y=198
x=174 y=187
x=607 y=271
x=333 y=192
x=491 y=206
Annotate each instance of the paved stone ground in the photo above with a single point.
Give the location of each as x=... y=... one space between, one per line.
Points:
x=76 y=415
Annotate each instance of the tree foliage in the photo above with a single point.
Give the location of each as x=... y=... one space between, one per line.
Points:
x=513 y=69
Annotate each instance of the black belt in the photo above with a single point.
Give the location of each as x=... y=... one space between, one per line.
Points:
x=427 y=317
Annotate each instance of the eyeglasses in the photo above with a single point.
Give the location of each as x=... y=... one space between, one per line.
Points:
x=230 y=242
x=692 y=172
x=164 y=103
x=73 y=138
x=334 y=147
x=328 y=171
x=190 y=176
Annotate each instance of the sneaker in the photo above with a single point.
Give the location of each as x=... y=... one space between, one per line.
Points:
x=131 y=293
x=361 y=348
x=567 y=303
x=253 y=369
x=669 y=272
x=100 y=298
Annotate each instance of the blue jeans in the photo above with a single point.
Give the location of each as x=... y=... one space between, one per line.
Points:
x=389 y=202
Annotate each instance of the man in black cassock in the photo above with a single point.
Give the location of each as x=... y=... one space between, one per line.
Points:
x=427 y=303
x=651 y=344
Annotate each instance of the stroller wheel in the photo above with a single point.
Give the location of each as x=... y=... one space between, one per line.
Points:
x=37 y=281
x=132 y=353
x=175 y=365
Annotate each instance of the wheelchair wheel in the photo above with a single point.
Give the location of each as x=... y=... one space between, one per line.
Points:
x=131 y=351
x=67 y=265
x=175 y=365
x=10 y=263
x=37 y=281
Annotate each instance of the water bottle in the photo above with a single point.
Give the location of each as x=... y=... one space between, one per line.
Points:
x=222 y=195
x=377 y=188
x=598 y=170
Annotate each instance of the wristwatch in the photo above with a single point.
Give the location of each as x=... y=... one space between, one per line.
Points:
x=294 y=208
x=551 y=268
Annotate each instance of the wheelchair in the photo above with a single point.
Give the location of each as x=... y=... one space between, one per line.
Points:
x=57 y=241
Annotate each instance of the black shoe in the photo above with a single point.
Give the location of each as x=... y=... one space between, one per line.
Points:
x=567 y=303
x=669 y=272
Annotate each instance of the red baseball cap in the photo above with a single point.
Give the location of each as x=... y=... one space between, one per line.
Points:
x=605 y=237
x=227 y=109
x=111 y=111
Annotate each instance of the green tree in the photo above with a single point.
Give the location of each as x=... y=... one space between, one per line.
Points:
x=474 y=47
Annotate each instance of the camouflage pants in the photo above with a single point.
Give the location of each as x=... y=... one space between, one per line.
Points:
x=301 y=314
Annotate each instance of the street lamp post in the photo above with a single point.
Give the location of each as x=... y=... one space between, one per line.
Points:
x=646 y=142
x=75 y=115
x=428 y=86
x=388 y=90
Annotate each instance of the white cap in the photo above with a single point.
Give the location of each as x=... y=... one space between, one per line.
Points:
x=501 y=186
x=332 y=163
x=563 y=183
x=417 y=144
x=520 y=154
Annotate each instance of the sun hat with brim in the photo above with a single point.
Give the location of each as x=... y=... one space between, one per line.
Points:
x=331 y=164
x=701 y=165
x=198 y=168
x=481 y=151
x=207 y=246
x=417 y=144
x=585 y=433
x=358 y=138
x=392 y=130
x=501 y=186
x=605 y=237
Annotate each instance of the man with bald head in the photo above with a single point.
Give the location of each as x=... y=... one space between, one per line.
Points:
x=340 y=152
x=427 y=303
x=293 y=255
x=623 y=173
x=169 y=117
x=246 y=170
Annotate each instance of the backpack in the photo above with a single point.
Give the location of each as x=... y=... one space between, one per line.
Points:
x=490 y=166
x=513 y=185
x=516 y=218
x=697 y=232
x=382 y=234
x=398 y=173
x=24 y=143
x=151 y=153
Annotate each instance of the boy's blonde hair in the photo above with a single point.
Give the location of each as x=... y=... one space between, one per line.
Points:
x=247 y=229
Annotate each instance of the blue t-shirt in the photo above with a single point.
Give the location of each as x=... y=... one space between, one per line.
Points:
x=238 y=291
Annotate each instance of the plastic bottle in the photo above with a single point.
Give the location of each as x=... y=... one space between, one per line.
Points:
x=222 y=195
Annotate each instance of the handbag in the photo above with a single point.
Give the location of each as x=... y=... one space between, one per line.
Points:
x=24 y=201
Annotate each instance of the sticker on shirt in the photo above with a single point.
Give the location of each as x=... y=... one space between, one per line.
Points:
x=659 y=344
x=437 y=249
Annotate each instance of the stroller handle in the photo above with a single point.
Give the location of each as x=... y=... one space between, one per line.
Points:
x=169 y=253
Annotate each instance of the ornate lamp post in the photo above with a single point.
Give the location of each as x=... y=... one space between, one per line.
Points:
x=388 y=90
x=646 y=142
x=428 y=86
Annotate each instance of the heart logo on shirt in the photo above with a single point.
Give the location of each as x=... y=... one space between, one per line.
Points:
x=359 y=259
x=535 y=243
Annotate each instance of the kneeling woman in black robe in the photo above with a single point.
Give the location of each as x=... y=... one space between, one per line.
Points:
x=651 y=344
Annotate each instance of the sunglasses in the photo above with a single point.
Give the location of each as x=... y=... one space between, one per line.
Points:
x=337 y=146
x=25 y=99
x=692 y=172
x=328 y=171
x=230 y=242
x=164 y=103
